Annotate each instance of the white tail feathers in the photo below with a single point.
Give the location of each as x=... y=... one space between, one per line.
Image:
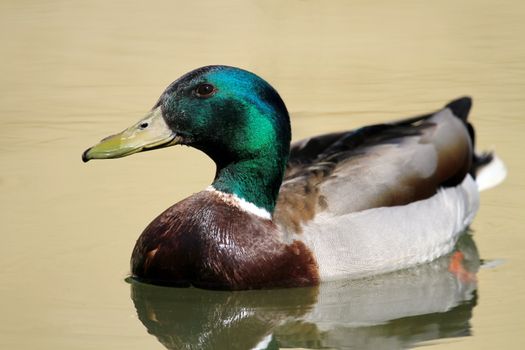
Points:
x=491 y=174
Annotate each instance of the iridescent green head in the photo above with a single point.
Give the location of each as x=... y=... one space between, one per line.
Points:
x=232 y=115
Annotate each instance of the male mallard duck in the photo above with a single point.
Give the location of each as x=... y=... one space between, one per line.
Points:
x=341 y=205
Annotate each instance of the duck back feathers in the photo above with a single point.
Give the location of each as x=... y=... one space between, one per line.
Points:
x=381 y=165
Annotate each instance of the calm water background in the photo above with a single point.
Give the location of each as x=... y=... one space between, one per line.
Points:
x=73 y=72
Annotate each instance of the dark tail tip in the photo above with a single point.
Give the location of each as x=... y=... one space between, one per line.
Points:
x=460 y=107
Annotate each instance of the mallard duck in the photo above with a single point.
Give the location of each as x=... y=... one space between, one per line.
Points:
x=342 y=205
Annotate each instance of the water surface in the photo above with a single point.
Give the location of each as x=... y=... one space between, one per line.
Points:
x=74 y=72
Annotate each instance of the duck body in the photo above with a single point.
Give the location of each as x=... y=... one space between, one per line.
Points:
x=342 y=205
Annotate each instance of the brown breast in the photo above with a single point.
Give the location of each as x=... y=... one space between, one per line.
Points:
x=205 y=242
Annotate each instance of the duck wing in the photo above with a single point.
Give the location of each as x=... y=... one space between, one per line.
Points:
x=382 y=165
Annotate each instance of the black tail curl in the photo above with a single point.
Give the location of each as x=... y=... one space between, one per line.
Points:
x=461 y=108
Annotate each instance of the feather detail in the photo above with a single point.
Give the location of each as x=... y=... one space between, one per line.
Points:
x=385 y=239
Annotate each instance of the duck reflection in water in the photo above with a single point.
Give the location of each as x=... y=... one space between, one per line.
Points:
x=392 y=311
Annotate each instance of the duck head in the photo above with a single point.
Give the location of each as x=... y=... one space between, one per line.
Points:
x=232 y=115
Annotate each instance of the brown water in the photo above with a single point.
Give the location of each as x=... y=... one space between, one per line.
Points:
x=73 y=72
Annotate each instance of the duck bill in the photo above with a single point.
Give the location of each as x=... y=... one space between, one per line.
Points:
x=149 y=133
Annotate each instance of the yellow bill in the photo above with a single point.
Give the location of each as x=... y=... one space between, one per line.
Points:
x=149 y=133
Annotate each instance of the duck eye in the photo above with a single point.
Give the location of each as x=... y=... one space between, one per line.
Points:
x=205 y=90
x=143 y=125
